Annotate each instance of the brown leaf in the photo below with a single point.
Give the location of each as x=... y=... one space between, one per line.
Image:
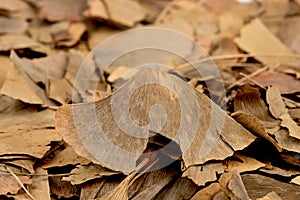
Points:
x=271 y=196
x=16 y=41
x=253 y=124
x=114 y=12
x=267 y=185
x=276 y=104
x=257 y=39
x=83 y=173
x=242 y=163
x=287 y=84
x=296 y=180
x=12 y=25
x=277 y=108
x=57 y=10
x=40 y=188
x=287 y=142
x=203 y=174
x=8 y=184
x=66 y=157
x=209 y=192
x=248 y=100
x=233 y=136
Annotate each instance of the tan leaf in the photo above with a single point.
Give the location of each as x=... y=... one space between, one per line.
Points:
x=203 y=174
x=253 y=124
x=114 y=12
x=257 y=39
x=208 y=193
x=40 y=188
x=271 y=196
x=296 y=180
x=276 y=104
x=118 y=73
x=66 y=157
x=288 y=122
x=286 y=83
x=16 y=41
x=8 y=184
x=12 y=25
x=222 y=138
x=83 y=173
x=287 y=142
x=243 y=164
x=56 y=10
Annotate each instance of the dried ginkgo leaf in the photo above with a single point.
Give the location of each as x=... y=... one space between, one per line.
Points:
x=151 y=101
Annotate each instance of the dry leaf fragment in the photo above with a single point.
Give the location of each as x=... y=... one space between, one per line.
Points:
x=266 y=185
x=296 y=180
x=286 y=83
x=276 y=104
x=203 y=174
x=271 y=196
x=75 y=32
x=40 y=188
x=16 y=41
x=8 y=184
x=243 y=164
x=66 y=157
x=83 y=173
x=57 y=10
x=248 y=100
x=113 y=12
x=60 y=90
x=277 y=108
x=117 y=73
x=208 y=193
x=257 y=39
x=12 y=25
x=253 y=124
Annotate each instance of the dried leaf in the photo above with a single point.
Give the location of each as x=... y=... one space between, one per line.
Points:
x=57 y=10
x=12 y=25
x=75 y=32
x=253 y=124
x=267 y=185
x=276 y=104
x=60 y=90
x=203 y=174
x=277 y=108
x=40 y=188
x=265 y=43
x=208 y=193
x=233 y=136
x=271 y=196
x=248 y=100
x=66 y=157
x=83 y=173
x=15 y=41
x=118 y=73
x=242 y=163
x=296 y=180
x=114 y=12
x=5 y=66
x=8 y=184
x=287 y=142
x=287 y=84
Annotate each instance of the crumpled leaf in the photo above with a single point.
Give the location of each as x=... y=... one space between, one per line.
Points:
x=40 y=188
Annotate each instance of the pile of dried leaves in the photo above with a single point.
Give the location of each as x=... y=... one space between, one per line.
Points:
x=256 y=49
